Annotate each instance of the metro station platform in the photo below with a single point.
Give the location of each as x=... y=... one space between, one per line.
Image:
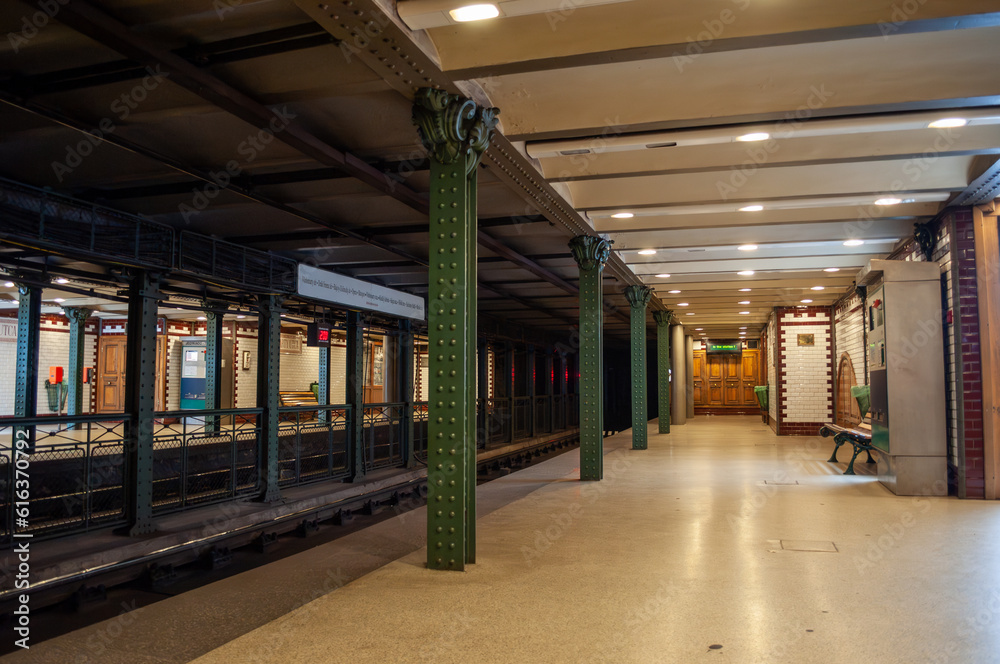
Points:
x=721 y=542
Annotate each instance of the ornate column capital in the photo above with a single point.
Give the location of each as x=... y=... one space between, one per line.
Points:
x=590 y=252
x=663 y=318
x=77 y=314
x=638 y=296
x=451 y=126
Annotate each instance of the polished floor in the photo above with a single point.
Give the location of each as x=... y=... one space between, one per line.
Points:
x=721 y=542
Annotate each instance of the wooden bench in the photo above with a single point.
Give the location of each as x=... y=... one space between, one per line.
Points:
x=292 y=399
x=860 y=438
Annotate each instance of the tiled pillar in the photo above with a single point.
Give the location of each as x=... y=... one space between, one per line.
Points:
x=679 y=367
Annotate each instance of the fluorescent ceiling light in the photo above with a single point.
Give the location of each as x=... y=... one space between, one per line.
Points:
x=58 y=299
x=754 y=136
x=854 y=243
x=744 y=313
x=62 y=280
x=745 y=290
x=690 y=313
x=682 y=304
x=746 y=273
x=817 y=288
x=832 y=269
x=747 y=247
x=674 y=292
x=743 y=328
x=241 y=316
x=426 y=14
x=817 y=127
x=744 y=302
x=664 y=275
x=698 y=329
x=202 y=318
x=647 y=252
x=622 y=215
x=948 y=123
x=806 y=301
x=751 y=208
x=889 y=200
x=8 y=284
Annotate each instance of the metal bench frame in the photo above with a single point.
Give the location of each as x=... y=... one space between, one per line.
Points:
x=860 y=440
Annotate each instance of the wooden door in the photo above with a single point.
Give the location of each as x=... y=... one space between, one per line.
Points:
x=750 y=370
x=111 y=375
x=731 y=380
x=699 y=381
x=715 y=375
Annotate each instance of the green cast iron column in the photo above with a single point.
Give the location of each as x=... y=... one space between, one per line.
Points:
x=77 y=343
x=140 y=400
x=213 y=361
x=29 y=322
x=663 y=320
x=268 y=384
x=591 y=253
x=455 y=133
x=356 y=395
x=406 y=359
x=638 y=297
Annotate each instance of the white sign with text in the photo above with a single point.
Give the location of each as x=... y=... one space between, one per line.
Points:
x=356 y=294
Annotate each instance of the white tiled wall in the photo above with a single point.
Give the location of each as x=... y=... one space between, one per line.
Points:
x=805 y=391
x=772 y=376
x=849 y=332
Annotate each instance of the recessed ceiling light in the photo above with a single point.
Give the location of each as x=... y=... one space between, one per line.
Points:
x=58 y=299
x=647 y=252
x=818 y=288
x=832 y=269
x=751 y=208
x=744 y=302
x=241 y=316
x=806 y=301
x=698 y=329
x=888 y=200
x=746 y=273
x=674 y=292
x=663 y=276
x=8 y=284
x=682 y=304
x=475 y=12
x=690 y=313
x=622 y=215
x=948 y=123
x=744 y=313
x=754 y=136
x=745 y=290
x=202 y=318
x=747 y=247
x=743 y=328
x=62 y=280
x=854 y=243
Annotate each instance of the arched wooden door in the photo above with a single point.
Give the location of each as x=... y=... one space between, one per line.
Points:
x=848 y=414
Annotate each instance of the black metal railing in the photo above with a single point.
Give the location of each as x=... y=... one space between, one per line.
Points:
x=522 y=414
x=559 y=414
x=420 y=436
x=235 y=263
x=312 y=443
x=73 y=481
x=205 y=456
x=382 y=435
x=498 y=421
x=543 y=414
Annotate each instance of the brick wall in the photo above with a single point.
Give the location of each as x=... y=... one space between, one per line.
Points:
x=804 y=373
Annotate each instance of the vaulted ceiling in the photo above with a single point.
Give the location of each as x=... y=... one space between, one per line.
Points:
x=621 y=118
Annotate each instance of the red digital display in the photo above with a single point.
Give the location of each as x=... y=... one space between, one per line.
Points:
x=323 y=335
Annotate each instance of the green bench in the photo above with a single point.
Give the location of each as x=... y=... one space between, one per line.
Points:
x=859 y=438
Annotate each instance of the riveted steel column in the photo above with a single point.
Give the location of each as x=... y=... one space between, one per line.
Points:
x=591 y=253
x=77 y=343
x=29 y=315
x=355 y=395
x=455 y=133
x=268 y=384
x=140 y=400
x=530 y=369
x=638 y=297
x=663 y=320
x=213 y=362
x=406 y=359
x=483 y=380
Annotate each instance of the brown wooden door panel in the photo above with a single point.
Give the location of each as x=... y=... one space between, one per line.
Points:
x=714 y=393
x=749 y=366
x=732 y=367
x=714 y=368
x=733 y=394
x=699 y=393
x=111 y=375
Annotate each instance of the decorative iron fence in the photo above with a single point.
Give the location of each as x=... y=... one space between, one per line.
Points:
x=312 y=443
x=522 y=417
x=205 y=456
x=420 y=436
x=383 y=433
x=498 y=421
x=560 y=403
x=543 y=414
